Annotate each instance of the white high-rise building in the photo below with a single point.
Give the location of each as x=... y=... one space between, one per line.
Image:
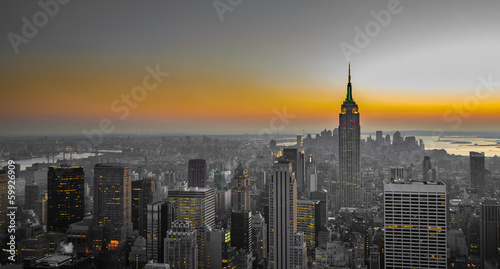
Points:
x=415 y=224
x=287 y=248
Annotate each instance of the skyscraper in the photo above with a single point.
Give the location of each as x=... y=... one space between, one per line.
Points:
x=65 y=197
x=349 y=152
x=476 y=161
x=259 y=237
x=308 y=222
x=112 y=206
x=220 y=253
x=284 y=250
x=181 y=250
x=160 y=216
x=241 y=230
x=143 y=193
x=240 y=195
x=197 y=173
x=415 y=224
x=426 y=168
x=489 y=229
x=196 y=205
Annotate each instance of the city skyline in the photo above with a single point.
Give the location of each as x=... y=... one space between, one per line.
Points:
x=230 y=72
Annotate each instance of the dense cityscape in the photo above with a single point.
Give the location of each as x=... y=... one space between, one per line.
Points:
x=327 y=200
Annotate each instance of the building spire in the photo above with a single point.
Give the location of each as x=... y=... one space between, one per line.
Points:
x=349 y=87
x=349 y=72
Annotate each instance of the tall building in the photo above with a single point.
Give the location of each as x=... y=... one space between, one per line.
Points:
x=259 y=237
x=311 y=178
x=476 y=161
x=143 y=193
x=196 y=205
x=398 y=173
x=181 y=250
x=137 y=256
x=3 y=199
x=284 y=250
x=197 y=173
x=220 y=180
x=159 y=217
x=65 y=197
x=427 y=168
x=296 y=157
x=322 y=196
x=241 y=230
x=240 y=195
x=489 y=229
x=349 y=152
x=220 y=253
x=415 y=224
x=112 y=207
x=308 y=222
x=32 y=197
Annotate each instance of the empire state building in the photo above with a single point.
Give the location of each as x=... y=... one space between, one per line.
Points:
x=350 y=194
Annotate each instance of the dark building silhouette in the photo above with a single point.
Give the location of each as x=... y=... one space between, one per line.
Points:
x=112 y=214
x=197 y=173
x=489 y=229
x=241 y=230
x=477 y=173
x=143 y=193
x=65 y=197
x=160 y=216
x=3 y=199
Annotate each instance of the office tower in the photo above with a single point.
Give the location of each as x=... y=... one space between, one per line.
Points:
x=284 y=250
x=65 y=197
x=220 y=253
x=349 y=152
x=112 y=207
x=259 y=236
x=379 y=136
x=32 y=196
x=222 y=201
x=143 y=193
x=220 y=180
x=198 y=206
x=137 y=256
x=241 y=230
x=358 y=250
x=398 y=173
x=308 y=222
x=197 y=173
x=159 y=217
x=427 y=169
x=240 y=195
x=3 y=199
x=311 y=181
x=181 y=250
x=476 y=162
x=295 y=157
x=80 y=235
x=261 y=180
x=415 y=224
x=322 y=196
x=489 y=229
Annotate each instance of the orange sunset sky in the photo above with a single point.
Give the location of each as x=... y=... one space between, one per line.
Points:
x=230 y=75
